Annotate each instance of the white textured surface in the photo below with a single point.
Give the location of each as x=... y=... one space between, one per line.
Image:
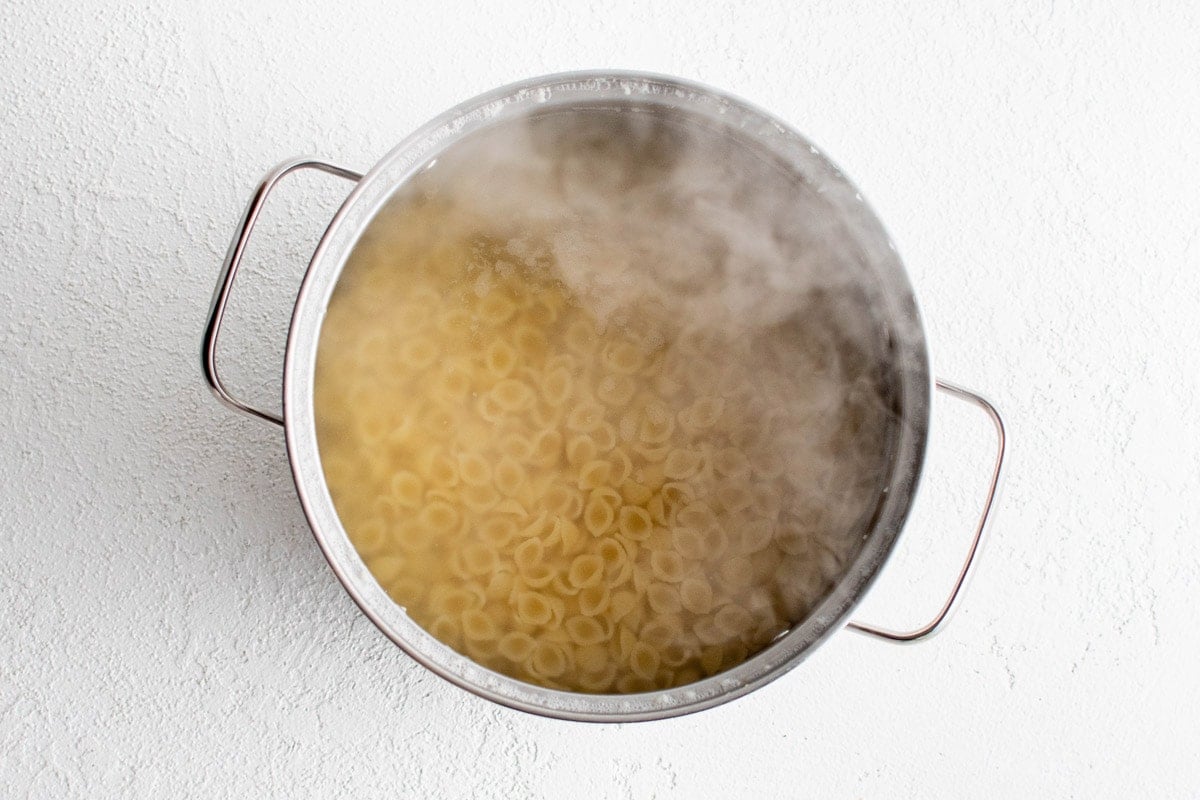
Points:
x=167 y=626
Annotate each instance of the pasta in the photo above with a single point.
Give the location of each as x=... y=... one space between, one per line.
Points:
x=573 y=484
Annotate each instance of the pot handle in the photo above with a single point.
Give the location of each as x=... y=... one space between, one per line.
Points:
x=936 y=623
x=233 y=260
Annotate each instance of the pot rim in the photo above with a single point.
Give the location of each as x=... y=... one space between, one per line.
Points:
x=908 y=344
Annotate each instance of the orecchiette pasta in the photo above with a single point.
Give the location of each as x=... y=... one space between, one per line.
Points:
x=576 y=487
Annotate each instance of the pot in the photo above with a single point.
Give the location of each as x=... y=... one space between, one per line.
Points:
x=892 y=295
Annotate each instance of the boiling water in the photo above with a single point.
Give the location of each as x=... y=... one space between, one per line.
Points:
x=600 y=399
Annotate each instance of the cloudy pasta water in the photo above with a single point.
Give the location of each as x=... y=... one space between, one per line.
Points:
x=596 y=404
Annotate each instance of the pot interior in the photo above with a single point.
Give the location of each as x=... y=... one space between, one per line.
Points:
x=675 y=227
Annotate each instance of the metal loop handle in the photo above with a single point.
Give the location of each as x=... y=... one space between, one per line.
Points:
x=955 y=593
x=233 y=260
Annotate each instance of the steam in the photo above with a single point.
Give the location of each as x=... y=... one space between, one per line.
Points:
x=643 y=210
x=674 y=231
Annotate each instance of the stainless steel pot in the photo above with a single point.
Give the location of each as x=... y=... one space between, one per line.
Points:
x=898 y=307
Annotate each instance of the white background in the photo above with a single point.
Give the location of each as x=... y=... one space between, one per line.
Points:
x=168 y=627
